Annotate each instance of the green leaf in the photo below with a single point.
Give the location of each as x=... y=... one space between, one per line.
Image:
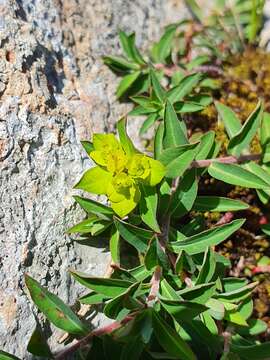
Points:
x=157 y=88
x=148 y=207
x=125 y=141
x=6 y=356
x=182 y=310
x=55 y=310
x=133 y=349
x=196 y=10
x=255 y=327
x=88 y=146
x=170 y=340
x=158 y=142
x=219 y=204
x=115 y=245
x=146 y=102
x=89 y=181
x=236 y=175
x=140 y=110
x=216 y=309
x=93 y=298
x=155 y=255
x=174 y=129
x=198 y=293
x=162 y=49
x=254 y=352
x=120 y=64
x=93 y=207
x=265 y=129
x=104 y=286
x=178 y=159
x=208 y=267
x=182 y=107
x=185 y=194
x=229 y=118
x=135 y=236
x=242 y=139
x=92 y=225
x=126 y=83
x=140 y=273
x=266 y=229
x=129 y=47
x=198 y=243
x=237 y=295
x=207 y=142
x=258 y=170
x=38 y=345
x=167 y=291
x=120 y=302
x=150 y=120
x=185 y=87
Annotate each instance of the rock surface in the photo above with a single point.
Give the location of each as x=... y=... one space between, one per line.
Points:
x=54 y=91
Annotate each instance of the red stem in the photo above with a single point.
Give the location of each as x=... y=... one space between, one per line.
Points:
x=98 y=332
x=225 y=160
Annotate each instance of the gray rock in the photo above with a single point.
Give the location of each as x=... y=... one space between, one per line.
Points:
x=54 y=91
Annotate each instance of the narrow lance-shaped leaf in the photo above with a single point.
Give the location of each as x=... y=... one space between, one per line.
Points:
x=161 y=50
x=54 y=308
x=157 y=88
x=135 y=236
x=184 y=88
x=198 y=243
x=236 y=175
x=158 y=142
x=178 y=159
x=116 y=305
x=174 y=129
x=229 y=118
x=119 y=64
x=126 y=143
x=200 y=293
x=182 y=310
x=148 y=207
x=128 y=45
x=265 y=129
x=104 y=286
x=207 y=270
x=185 y=194
x=170 y=340
x=91 y=206
x=150 y=120
x=126 y=83
x=115 y=245
x=219 y=204
x=242 y=139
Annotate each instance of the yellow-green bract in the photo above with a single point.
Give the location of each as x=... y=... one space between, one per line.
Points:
x=118 y=174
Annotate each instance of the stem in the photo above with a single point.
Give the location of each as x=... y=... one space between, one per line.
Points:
x=155 y=281
x=170 y=70
x=225 y=160
x=99 y=332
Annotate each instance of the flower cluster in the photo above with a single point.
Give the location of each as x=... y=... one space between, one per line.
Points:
x=119 y=175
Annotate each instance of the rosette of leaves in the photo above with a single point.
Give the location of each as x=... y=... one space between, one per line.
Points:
x=142 y=77
x=179 y=302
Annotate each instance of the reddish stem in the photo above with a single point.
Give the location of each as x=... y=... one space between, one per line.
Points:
x=98 y=332
x=225 y=160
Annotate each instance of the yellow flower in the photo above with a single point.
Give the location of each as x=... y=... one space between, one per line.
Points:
x=119 y=176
